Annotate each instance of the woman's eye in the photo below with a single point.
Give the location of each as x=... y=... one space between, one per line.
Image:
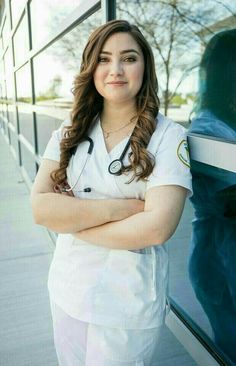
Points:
x=102 y=59
x=130 y=59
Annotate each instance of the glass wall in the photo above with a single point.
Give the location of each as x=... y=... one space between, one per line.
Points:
x=201 y=288
x=36 y=86
x=44 y=23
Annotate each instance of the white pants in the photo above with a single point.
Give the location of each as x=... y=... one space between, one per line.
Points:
x=79 y=343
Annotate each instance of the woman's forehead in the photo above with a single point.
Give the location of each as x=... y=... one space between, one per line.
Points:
x=121 y=41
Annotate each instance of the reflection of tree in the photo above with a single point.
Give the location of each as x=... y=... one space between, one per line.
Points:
x=172 y=28
x=53 y=90
x=70 y=47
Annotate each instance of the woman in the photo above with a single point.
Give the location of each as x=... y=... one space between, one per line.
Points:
x=213 y=245
x=125 y=165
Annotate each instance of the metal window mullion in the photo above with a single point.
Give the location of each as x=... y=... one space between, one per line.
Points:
x=28 y=19
x=12 y=52
x=9 y=46
x=108 y=10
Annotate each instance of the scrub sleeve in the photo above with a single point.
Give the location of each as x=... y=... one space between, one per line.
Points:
x=119 y=322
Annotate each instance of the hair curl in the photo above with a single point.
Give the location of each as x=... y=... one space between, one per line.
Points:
x=88 y=103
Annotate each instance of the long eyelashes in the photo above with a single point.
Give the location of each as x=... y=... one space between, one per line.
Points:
x=106 y=59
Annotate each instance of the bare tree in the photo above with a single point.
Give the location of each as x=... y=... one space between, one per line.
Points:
x=173 y=30
x=70 y=47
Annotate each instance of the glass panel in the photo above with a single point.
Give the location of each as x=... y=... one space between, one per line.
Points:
x=4 y=111
x=12 y=115
x=53 y=84
x=5 y=32
x=26 y=124
x=46 y=16
x=14 y=142
x=45 y=126
x=9 y=76
x=2 y=73
x=2 y=82
x=187 y=26
x=28 y=162
x=23 y=84
x=17 y=7
x=21 y=42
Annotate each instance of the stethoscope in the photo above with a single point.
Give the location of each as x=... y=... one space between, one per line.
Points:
x=114 y=168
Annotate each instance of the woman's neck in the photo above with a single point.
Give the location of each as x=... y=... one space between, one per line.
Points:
x=114 y=116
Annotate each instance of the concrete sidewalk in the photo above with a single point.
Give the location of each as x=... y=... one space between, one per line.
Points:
x=25 y=254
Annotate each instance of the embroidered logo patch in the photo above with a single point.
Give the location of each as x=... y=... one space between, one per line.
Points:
x=183 y=153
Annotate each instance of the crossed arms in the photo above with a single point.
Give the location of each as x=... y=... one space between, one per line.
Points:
x=114 y=223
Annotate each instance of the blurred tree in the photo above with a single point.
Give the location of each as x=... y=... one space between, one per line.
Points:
x=53 y=90
x=173 y=27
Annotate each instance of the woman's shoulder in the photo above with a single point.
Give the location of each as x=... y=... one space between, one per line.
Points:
x=167 y=131
x=167 y=124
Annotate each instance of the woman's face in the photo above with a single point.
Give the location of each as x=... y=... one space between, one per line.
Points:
x=119 y=74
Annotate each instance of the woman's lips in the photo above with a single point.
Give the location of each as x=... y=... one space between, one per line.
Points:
x=117 y=83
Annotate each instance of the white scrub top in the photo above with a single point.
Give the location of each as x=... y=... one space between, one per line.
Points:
x=111 y=287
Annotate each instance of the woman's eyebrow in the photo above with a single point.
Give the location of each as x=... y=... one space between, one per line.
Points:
x=121 y=52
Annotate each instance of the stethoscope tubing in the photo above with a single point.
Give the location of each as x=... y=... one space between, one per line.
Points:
x=114 y=168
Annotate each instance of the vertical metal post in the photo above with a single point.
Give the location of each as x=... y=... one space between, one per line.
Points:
x=28 y=18
x=16 y=113
x=108 y=10
x=7 y=7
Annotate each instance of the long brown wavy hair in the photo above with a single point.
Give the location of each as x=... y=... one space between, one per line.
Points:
x=88 y=103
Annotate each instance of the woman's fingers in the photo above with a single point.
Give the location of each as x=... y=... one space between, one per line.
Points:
x=64 y=189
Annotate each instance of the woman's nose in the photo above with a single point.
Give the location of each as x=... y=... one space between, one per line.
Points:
x=116 y=68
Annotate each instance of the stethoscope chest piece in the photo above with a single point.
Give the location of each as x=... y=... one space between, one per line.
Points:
x=115 y=167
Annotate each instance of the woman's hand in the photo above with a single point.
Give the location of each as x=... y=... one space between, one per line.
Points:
x=124 y=208
x=64 y=189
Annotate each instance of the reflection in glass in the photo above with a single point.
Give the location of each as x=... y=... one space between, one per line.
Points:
x=16 y=9
x=23 y=84
x=46 y=15
x=5 y=32
x=53 y=83
x=213 y=246
x=28 y=161
x=14 y=143
x=9 y=75
x=12 y=115
x=26 y=124
x=186 y=24
x=2 y=74
x=45 y=126
x=21 y=42
x=2 y=82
